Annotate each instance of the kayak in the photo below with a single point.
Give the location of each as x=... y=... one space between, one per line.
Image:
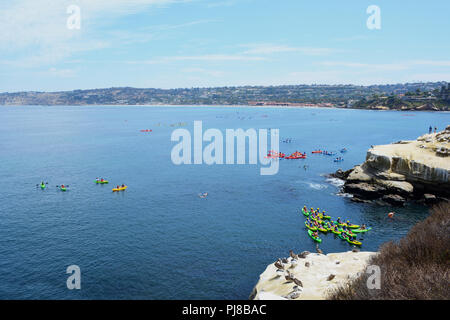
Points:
x=323 y=229
x=317 y=151
x=355 y=242
x=324 y=217
x=63 y=189
x=310 y=228
x=349 y=234
x=101 y=182
x=317 y=220
x=360 y=230
x=352 y=226
x=42 y=186
x=335 y=232
x=314 y=238
x=306 y=213
x=337 y=160
x=341 y=235
x=119 y=189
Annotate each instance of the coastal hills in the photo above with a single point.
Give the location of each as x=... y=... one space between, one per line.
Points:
x=432 y=96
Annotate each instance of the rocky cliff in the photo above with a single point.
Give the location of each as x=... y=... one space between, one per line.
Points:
x=403 y=170
x=309 y=276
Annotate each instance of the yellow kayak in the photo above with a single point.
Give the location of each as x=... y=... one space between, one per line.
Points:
x=119 y=189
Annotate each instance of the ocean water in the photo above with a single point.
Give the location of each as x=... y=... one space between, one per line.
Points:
x=158 y=239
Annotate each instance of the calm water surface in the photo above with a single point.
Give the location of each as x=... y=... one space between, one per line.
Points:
x=159 y=240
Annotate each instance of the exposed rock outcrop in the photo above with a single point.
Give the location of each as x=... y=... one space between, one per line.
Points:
x=403 y=170
x=312 y=282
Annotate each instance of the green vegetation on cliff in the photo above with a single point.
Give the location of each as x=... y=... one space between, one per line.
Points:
x=417 y=267
x=437 y=99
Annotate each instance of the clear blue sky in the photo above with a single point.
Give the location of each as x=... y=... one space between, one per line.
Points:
x=199 y=43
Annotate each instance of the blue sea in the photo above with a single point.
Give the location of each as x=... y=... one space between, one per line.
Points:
x=159 y=239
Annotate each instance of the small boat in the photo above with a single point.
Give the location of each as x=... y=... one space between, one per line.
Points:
x=63 y=188
x=317 y=151
x=305 y=213
x=120 y=189
x=42 y=186
x=343 y=150
x=360 y=230
x=323 y=229
x=355 y=242
x=341 y=235
x=351 y=226
x=335 y=232
x=309 y=227
x=101 y=182
x=317 y=239
x=338 y=160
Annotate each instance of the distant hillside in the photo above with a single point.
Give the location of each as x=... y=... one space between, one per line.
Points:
x=433 y=100
x=336 y=95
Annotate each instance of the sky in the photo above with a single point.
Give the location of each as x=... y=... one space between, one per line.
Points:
x=210 y=43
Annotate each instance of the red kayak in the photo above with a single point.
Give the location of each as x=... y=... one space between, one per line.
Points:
x=317 y=151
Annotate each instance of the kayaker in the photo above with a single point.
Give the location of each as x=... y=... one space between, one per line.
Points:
x=117 y=187
x=102 y=180
x=62 y=186
x=97 y=179
x=391 y=215
x=363 y=227
x=123 y=186
x=339 y=220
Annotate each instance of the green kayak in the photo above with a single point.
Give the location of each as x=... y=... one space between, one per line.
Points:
x=342 y=237
x=306 y=213
x=317 y=239
x=42 y=186
x=360 y=230
x=63 y=189
x=309 y=227
x=101 y=182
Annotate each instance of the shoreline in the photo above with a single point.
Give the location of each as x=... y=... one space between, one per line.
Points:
x=219 y=106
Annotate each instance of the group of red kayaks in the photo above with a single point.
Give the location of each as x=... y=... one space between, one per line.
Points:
x=320 y=221
x=299 y=155
x=279 y=155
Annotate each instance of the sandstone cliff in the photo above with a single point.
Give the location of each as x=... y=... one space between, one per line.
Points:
x=403 y=170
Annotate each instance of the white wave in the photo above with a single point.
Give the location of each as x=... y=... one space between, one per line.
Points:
x=345 y=195
x=336 y=182
x=317 y=186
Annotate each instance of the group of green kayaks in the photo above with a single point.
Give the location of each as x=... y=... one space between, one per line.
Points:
x=43 y=185
x=320 y=221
